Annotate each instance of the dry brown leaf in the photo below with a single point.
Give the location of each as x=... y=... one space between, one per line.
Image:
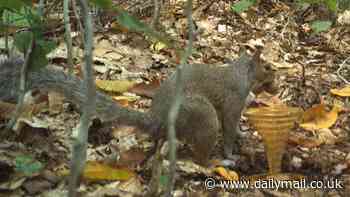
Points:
x=344 y=92
x=55 y=102
x=144 y=89
x=326 y=136
x=131 y=158
x=268 y=99
x=26 y=117
x=7 y=109
x=318 y=117
x=116 y=27
x=281 y=65
x=304 y=141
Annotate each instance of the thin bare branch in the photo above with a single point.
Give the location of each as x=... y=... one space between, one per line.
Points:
x=89 y=107
x=174 y=110
x=22 y=85
x=67 y=35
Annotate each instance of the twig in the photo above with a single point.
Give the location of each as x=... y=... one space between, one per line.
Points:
x=81 y=28
x=68 y=35
x=340 y=68
x=22 y=85
x=174 y=109
x=284 y=28
x=156 y=14
x=89 y=106
x=41 y=7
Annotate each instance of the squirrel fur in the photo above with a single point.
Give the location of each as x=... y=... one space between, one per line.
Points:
x=214 y=98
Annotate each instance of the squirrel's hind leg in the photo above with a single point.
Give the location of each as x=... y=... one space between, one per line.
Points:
x=198 y=124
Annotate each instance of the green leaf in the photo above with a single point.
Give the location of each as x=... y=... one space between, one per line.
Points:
x=163 y=180
x=12 y=4
x=37 y=62
x=17 y=18
x=47 y=46
x=343 y=4
x=27 y=165
x=38 y=57
x=301 y=4
x=131 y=22
x=42 y=47
x=22 y=40
x=320 y=26
x=331 y=4
x=104 y=4
x=242 y=5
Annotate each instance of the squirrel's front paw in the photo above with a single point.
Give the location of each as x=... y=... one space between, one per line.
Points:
x=230 y=152
x=231 y=160
x=232 y=157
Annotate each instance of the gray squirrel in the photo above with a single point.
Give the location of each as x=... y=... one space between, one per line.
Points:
x=214 y=98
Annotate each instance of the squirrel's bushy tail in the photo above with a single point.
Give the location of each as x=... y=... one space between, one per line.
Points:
x=71 y=87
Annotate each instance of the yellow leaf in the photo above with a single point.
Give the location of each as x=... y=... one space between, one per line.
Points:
x=116 y=27
x=158 y=46
x=318 y=117
x=115 y=86
x=341 y=92
x=98 y=171
x=227 y=174
x=125 y=100
x=7 y=110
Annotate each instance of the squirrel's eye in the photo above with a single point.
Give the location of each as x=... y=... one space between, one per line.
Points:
x=267 y=67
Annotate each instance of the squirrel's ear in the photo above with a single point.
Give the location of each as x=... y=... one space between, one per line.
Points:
x=256 y=56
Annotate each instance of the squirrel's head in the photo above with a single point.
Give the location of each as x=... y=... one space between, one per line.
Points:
x=264 y=75
x=260 y=73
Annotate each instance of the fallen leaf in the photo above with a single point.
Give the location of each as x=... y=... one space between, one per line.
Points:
x=281 y=65
x=268 y=99
x=308 y=142
x=26 y=117
x=318 y=117
x=115 y=86
x=131 y=158
x=326 y=136
x=144 y=89
x=125 y=100
x=98 y=171
x=7 y=110
x=227 y=174
x=13 y=184
x=344 y=92
x=116 y=27
x=55 y=102
x=27 y=165
x=158 y=46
